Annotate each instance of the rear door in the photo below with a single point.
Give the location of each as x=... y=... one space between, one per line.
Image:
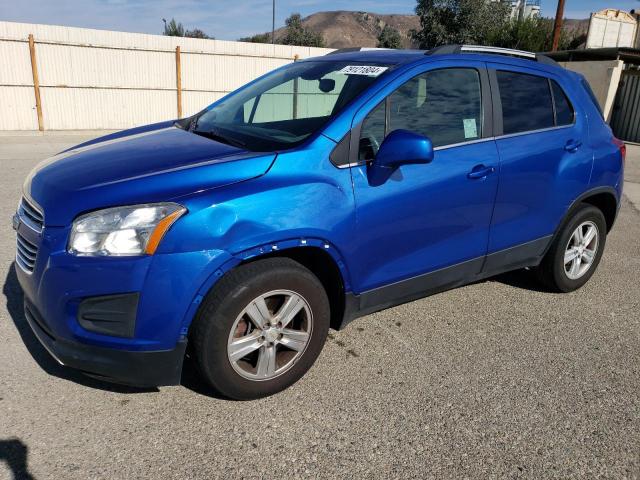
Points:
x=541 y=135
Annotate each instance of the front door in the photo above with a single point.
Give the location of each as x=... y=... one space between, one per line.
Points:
x=427 y=217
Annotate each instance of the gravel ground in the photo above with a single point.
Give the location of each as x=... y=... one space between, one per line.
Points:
x=496 y=379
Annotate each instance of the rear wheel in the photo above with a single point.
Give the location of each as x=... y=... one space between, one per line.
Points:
x=261 y=328
x=576 y=251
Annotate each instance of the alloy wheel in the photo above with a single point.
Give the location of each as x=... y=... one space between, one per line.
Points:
x=581 y=250
x=270 y=335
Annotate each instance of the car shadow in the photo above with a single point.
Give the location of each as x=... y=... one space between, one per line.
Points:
x=192 y=381
x=15 y=306
x=14 y=453
x=523 y=279
x=12 y=291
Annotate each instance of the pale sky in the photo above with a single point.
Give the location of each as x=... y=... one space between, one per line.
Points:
x=225 y=19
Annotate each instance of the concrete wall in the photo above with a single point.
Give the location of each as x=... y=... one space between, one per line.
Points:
x=98 y=79
x=604 y=77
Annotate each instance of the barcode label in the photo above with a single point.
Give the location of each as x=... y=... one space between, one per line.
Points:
x=368 y=70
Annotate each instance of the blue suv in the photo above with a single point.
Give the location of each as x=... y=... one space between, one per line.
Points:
x=323 y=191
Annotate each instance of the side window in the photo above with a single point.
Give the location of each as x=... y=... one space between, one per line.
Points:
x=564 y=111
x=526 y=102
x=444 y=105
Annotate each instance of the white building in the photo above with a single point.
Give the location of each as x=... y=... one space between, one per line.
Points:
x=523 y=9
x=613 y=28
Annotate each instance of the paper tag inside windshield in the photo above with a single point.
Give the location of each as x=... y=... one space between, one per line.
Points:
x=470 y=128
x=368 y=70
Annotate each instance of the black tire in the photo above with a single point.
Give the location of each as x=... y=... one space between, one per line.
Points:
x=551 y=271
x=221 y=307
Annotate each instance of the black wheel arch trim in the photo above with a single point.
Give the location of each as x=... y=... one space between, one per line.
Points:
x=580 y=199
x=595 y=191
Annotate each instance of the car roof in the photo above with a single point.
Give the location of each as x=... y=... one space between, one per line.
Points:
x=400 y=57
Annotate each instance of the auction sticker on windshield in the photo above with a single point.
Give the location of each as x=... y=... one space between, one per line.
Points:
x=368 y=70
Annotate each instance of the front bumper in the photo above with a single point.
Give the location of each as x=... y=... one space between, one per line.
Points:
x=136 y=368
x=167 y=285
x=168 y=288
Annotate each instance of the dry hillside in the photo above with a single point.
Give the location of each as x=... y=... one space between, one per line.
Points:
x=342 y=29
x=356 y=29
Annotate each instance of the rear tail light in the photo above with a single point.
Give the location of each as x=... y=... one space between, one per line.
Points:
x=622 y=146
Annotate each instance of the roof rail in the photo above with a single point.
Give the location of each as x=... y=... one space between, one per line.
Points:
x=452 y=49
x=356 y=49
x=497 y=51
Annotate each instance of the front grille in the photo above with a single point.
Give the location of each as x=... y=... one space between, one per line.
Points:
x=31 y=213
x=26 y=254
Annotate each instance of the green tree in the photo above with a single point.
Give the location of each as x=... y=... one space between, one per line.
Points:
x=298 y=34
x=258 y=38
x=458 y=21
x=389 y=38
x=173 y=28
x=197 y=33
x=534 y=35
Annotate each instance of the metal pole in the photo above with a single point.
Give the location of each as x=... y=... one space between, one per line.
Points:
x=273 y=23
x=557 y=26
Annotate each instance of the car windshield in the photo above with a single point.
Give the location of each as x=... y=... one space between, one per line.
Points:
x=284 y=108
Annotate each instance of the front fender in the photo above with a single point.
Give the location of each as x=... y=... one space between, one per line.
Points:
x=303 y=201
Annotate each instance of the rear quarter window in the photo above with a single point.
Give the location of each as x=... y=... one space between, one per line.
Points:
x=565 y=114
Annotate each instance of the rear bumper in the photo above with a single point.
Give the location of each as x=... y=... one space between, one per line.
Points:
x=136 y=368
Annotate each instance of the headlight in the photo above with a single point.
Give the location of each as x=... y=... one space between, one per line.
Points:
x=134 y=230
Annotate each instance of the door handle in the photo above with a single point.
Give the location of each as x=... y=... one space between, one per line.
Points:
x=480 y=171
x=572 y=146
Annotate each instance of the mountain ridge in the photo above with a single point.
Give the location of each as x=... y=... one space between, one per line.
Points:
x=345 y=28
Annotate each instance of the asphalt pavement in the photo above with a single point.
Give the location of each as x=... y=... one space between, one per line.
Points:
x=493 y=380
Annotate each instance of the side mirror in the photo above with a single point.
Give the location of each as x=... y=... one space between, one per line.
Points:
x=402 y=147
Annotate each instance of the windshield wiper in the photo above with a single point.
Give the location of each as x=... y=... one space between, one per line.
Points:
x=214 y=135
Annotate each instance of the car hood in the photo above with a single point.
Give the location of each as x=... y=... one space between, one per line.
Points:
x=153 y=164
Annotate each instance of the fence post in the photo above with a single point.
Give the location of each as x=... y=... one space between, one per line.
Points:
x=295 y=91
x=179 y=81
x=36 y=81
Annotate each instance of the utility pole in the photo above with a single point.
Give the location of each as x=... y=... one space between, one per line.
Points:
x=557 y=26
x=273 y=23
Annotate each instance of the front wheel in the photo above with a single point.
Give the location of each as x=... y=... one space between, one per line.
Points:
x=576 y=251
x=260 y=328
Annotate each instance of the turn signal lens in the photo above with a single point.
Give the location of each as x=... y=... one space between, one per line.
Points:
x=161 y=229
